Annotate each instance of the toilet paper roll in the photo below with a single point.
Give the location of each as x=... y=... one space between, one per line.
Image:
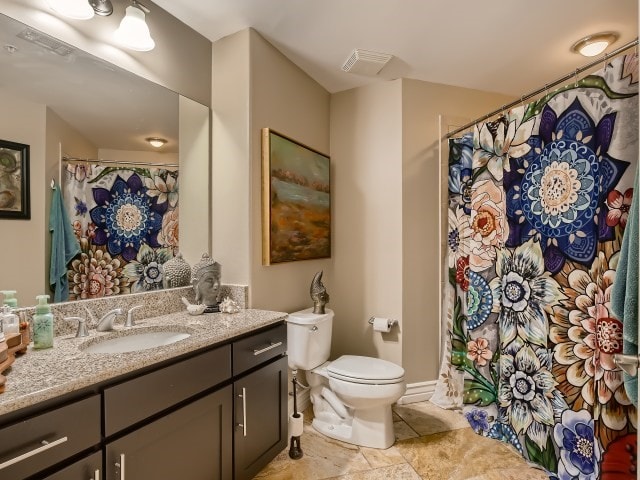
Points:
x=296 y=425
x=381 y=324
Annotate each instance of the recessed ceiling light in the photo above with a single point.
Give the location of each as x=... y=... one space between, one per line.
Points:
x=595 y=44
x=156 y=141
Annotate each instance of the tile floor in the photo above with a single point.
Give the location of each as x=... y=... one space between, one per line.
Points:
x=432 y=444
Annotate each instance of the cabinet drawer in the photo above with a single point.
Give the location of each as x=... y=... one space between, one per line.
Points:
x=259 y=348
x=136 y=399
x=67 y=430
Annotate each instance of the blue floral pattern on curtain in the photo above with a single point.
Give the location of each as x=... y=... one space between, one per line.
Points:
x=538 y=203
x=126 y=220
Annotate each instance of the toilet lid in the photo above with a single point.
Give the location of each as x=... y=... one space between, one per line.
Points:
x=365 y=370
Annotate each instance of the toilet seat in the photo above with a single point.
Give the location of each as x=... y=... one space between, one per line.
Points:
x=365 y=370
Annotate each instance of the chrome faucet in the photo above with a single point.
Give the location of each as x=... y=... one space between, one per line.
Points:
x=105 y=324
x=130 y=321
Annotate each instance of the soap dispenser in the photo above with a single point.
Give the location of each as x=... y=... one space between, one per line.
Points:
x=43 y=324
x=10 y=321
x=9 y=298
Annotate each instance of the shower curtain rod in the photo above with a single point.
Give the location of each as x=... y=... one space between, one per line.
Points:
x=529 y=95
x=116 y=162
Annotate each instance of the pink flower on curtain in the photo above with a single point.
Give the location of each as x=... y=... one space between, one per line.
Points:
x=478 y=351
x=488 y=224
x=586 y=339
x=619 y=206
x=170 y=231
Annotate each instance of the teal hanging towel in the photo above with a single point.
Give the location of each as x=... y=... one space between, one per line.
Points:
x=624 y=295
x=64 y=246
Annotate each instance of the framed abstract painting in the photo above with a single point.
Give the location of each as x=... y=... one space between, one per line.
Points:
x=296 y=201
x=14 y=180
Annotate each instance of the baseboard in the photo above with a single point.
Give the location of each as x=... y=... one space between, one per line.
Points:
x=418 y=392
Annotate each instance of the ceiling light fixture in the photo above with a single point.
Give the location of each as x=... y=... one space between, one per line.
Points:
x=156 y=141
x=133 y=31
x=76 y=9
x=595 y=44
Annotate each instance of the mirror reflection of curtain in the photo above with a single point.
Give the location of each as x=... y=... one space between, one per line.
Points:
x=126 y=220
x=538 y=203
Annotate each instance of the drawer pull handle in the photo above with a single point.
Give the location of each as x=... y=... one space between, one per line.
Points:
x=244 y=412
x=266 y=349
x=120 y=465
x=45 y=446
x=96 y=475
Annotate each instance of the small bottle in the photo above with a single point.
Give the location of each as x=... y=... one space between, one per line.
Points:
x=43 y=324
x=9 y=298
x=10 y=321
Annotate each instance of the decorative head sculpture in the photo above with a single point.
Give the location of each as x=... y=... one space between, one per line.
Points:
x=205 y=277
x=318 y=294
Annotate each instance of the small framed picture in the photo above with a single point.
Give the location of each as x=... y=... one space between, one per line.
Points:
x=14 y=180
x=296 y=201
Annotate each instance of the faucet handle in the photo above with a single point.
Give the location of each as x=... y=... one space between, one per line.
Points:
x=82 y=326
x=130 y=321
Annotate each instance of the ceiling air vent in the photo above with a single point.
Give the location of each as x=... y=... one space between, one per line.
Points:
x=366 y=62
x=46 y=41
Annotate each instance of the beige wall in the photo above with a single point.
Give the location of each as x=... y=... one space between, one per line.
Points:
x=22 y=242
x=385 y=151
x=286 y=99
x=195 y=165
x=230 y=163
x=60 y=137
x=422 y=104
x=255 y=86
x=366 y=150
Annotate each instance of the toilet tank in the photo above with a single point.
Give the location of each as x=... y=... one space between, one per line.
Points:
x=308 y=338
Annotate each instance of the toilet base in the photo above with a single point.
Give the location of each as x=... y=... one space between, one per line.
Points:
x=372 y=427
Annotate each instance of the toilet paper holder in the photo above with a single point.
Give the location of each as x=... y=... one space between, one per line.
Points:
x=390 y=321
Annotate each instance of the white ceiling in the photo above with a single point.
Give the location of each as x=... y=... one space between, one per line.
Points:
x=505 y=46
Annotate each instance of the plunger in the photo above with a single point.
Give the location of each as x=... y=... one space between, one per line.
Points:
x=295 y=452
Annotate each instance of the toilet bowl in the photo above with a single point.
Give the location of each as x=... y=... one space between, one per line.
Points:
x=352 y=395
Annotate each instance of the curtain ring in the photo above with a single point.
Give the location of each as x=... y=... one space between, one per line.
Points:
x=576 y=77
x=604 y=64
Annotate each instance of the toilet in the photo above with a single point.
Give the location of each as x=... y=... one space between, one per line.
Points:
x=352 y=395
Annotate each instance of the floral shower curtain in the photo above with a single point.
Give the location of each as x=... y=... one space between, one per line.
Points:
x=538 y=203
x=126 y=220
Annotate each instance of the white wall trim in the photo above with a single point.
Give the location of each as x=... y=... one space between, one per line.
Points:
x=418 y=392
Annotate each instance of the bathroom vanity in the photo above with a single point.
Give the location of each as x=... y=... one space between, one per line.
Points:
x=213 y=405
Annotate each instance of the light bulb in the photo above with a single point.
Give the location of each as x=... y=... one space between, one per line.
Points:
x=593 y=49
x=76 y=9
x=133 y=32
x=156 y=141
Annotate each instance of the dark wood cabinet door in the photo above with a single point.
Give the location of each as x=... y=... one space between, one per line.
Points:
x=192 y=443
x=260 y=410
x=89 y=468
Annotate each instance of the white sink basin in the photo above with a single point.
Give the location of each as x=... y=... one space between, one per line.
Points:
x=135 y=342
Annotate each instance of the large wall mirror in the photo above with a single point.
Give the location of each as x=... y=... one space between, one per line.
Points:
x=78 y=114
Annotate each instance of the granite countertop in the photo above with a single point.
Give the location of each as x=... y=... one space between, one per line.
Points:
x=41 y=375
